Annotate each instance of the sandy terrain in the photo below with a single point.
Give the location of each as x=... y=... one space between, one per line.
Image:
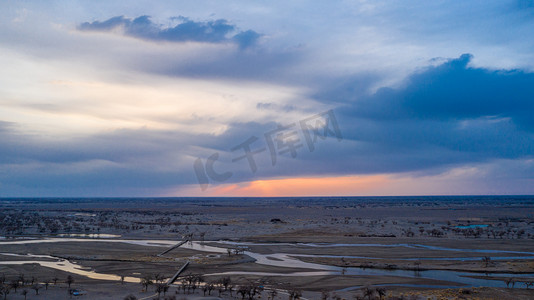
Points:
x=272 y=227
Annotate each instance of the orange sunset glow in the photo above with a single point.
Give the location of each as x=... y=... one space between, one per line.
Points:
x=350 y=185
x=304 y=186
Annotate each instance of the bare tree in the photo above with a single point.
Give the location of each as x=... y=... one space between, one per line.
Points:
x=368 y=292
x=211 y=286
x=225 y=281
x=381 y=292
x=14 y=285
x=295 y=294
x=146 y=281
x=242 y=290
x=36 y=288
x=70 y=280
x=199 y=279
x=190 y=278
x=508 y=281
x=220 y=289
x=417 y=265
x=486 y=260
x=158 y=277
x=160 y=288
x=272 y=293
x=4 y=290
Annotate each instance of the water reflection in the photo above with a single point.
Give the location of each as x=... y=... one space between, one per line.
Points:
x=90 y=235
x=64 y=265
x=282 y=260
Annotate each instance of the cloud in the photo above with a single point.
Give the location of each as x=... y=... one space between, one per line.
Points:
x=142 y=27
x=453 y=90
x=247 y=38
x=88 y=112
x=443 y=116
x=142 y=161
x=434 y=123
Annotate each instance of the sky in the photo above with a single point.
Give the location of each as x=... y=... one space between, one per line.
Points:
x=266 y=98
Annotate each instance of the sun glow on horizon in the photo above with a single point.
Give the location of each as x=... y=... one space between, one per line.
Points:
x=302 y=186
x=452 y=182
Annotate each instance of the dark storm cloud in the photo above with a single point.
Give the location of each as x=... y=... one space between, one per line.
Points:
x=114 y=162
x=217 y=31
x=446 y=116
x=443 y=117
x=454 y=91
x=450 y=114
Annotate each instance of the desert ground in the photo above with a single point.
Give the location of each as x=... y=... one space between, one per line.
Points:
x=268 y=248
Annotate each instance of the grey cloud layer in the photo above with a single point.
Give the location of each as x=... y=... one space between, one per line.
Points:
x=142 y=27
x=446 y=116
